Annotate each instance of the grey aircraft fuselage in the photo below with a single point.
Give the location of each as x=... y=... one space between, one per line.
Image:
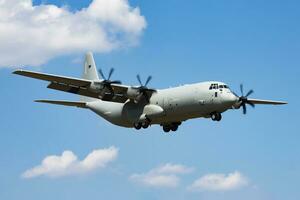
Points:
x=176 y=104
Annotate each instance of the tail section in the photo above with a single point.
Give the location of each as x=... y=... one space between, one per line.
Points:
x=90 y=73
x=90 y=70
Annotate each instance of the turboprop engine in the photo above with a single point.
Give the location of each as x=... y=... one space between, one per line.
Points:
x=133 y=93
x=104 y=85
x=142 y=92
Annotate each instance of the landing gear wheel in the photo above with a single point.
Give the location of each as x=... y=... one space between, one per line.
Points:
x=174 y=128
x=145 y=125
x=216 y=116
x=137 y=126
x=166 y=129
x=219 y=117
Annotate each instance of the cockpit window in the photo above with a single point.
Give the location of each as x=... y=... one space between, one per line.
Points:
x=217 y=86
x=213 y=86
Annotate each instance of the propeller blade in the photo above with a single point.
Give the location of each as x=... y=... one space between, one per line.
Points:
x=251 y=104
x=110 y=73
x=116 y=82
x=244 y=109
x=144 y=92
x=151 y=90
x=101 y=73
x=242 y=89
x=249 y=93
x=139 y=79
x=148 y=80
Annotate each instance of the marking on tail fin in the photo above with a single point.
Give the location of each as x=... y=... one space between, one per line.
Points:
x=90 y=70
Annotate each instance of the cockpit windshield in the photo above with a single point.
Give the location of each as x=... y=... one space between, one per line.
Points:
x=215 y=86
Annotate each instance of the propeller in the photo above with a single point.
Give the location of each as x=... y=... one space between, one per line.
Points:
x=244 y=99
x=143 y=89
x=107 y=82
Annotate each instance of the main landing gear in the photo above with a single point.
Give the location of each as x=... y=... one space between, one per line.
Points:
x=166 y=127
x=145 y=124
x=216 y=116
x=171 y=127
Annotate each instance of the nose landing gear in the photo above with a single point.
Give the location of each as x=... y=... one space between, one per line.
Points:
x=137 y=125
x=216 y=116
x=166 y=129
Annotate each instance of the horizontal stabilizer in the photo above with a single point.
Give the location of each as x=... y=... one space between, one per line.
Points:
x=259 y=101
x=64 y=103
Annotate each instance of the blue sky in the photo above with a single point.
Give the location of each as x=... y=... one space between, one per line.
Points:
x=252 y=42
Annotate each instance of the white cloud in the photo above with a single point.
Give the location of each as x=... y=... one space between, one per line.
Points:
x=219 y=182
x=165 y=176
x=173 y=169
x=68 y=163
x=156 y=180
x=31 y=35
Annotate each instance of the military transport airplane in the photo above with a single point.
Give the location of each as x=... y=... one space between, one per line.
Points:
x=140 y=106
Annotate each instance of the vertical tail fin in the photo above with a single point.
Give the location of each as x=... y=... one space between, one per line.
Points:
x=89 y=72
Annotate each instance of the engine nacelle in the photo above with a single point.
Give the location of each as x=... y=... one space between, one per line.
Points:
x=237 y=105
x=132 y=93
x=96 y=86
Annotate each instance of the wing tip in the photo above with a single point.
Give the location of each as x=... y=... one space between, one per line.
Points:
x=18 y=71
x=39 y=101
x=280 y=102
x=270 y=102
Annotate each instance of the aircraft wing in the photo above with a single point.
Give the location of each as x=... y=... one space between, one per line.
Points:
x=259 y=101
x=77 y=86
x=54 y=78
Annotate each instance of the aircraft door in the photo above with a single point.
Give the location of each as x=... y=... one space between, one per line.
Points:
x=169 y=105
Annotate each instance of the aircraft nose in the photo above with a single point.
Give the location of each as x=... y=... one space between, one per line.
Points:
x=231 y=98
